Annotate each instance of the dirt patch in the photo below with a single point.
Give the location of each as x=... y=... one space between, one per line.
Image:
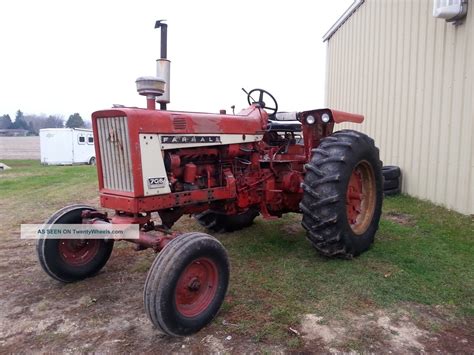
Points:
x=105 y=313
x=313 y=328
x=20 y=147
x=382 y=329
x=399 y=331
x=452 y=340
x=293 y=229
x=400 y=218
x=402 y=334
x=101 y=314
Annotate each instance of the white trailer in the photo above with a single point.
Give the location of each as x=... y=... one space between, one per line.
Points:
x=65 y=146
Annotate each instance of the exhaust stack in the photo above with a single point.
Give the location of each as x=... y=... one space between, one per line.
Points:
x=163 y=64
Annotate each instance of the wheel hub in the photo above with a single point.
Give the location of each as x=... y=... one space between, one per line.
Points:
x=196 y=287
x=361 y=197
x=78 y=252
x=194 y=284
x=354 y=196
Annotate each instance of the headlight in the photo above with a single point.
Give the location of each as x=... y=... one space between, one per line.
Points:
x=310 y=119
x=325 y=117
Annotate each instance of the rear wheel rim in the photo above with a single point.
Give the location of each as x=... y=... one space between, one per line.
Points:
x=361 y=197
x=78 y=252
x=196 y=287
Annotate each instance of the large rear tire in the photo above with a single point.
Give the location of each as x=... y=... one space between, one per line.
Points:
x=186 y=284
x=69 y=260
x=226 y=223
x=343 y=192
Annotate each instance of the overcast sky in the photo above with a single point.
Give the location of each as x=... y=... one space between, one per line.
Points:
x=60 y=57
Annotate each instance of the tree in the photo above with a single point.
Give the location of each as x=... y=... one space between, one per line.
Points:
x=54 y=122
x=37 y=122
x=34 y=122
x=75 y=121
x=19 y=115
x=5 y=122
x=20 y=122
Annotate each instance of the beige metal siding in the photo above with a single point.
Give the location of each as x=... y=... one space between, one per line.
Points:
x=411 y=75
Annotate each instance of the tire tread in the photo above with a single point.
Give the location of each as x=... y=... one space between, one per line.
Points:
x=323 y=203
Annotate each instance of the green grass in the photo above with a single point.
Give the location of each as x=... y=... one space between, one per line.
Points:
x=426 y=261
x=276 y=277
x=36 y=190
x=29 y=176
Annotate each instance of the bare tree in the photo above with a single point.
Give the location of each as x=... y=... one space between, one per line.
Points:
x=37 y=122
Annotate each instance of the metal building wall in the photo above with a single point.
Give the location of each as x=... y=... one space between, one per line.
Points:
x=411 y=75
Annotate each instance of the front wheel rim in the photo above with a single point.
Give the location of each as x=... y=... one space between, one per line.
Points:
x=361 y=197
x=196 y=287
x=78 y=252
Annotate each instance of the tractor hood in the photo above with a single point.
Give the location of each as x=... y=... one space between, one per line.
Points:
x=248 y=121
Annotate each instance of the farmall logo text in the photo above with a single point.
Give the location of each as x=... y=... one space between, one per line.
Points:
x=190 y=139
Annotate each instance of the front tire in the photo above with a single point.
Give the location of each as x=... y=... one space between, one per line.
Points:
x=69 y=260
x=186 y=284
x=343 y=192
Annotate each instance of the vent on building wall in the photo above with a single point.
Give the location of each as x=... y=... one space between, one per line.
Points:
x=450 y=10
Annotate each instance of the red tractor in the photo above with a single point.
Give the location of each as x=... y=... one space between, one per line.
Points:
x=224 y=170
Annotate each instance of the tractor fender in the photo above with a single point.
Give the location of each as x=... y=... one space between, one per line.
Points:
x=341 y=116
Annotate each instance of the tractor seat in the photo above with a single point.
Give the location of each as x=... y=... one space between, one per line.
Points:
x=284 y=126
x=284 y=122
x=284 y=116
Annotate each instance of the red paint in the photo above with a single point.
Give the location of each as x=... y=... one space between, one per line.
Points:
x=156 y=203
x=78 y=252
x=190 y=171
x=354 y=197
x=227 y=178
x=196 y=287
x=154 y=240
x=248 y=121
x=150 y=103
x=340 y=116
x=127 y=219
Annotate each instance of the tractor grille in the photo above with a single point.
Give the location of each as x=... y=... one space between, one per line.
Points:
x=115 y=153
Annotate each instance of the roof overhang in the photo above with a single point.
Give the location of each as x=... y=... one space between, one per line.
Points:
x=348 y=13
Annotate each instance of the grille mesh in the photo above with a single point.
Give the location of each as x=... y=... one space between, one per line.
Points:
x=115 y=153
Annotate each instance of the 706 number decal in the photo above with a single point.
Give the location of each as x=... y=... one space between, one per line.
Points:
x=156 y=182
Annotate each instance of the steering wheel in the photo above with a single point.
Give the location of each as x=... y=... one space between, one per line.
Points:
x=261 y=94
